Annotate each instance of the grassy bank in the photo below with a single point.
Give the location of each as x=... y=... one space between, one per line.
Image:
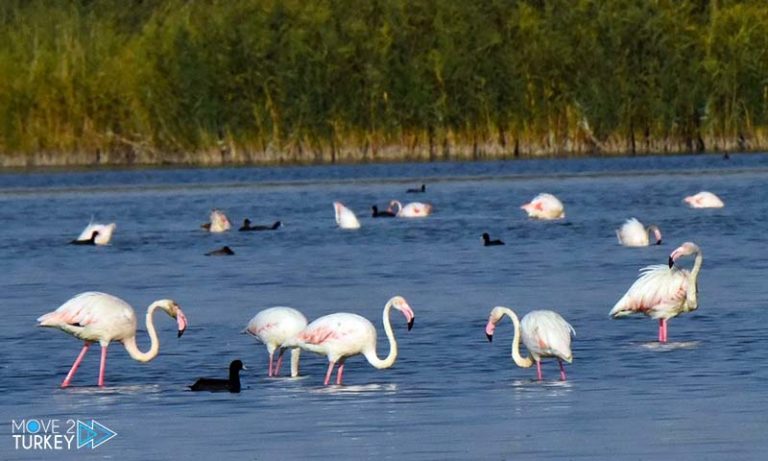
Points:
x=258 y=81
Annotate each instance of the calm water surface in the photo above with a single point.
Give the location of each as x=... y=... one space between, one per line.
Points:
x=451 y=394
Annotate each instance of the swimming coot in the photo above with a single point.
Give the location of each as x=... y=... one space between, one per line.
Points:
x=221 y=385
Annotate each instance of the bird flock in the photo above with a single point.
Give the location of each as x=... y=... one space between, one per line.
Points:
x=661 y=292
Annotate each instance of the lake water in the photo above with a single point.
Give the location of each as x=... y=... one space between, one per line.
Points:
x=451 y=394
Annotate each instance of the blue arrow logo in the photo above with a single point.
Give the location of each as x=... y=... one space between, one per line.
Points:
x=95 y=434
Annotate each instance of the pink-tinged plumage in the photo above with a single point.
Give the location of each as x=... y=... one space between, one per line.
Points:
x=544 y=206
x=273 y=327
x=345 y=217
x=104 y=235
x=633 y=234
x=663 y=292
x=218 y=222
x=410 y=210
x=103 y=318
x=342 y=335
x=704 y=199
x=545 y=334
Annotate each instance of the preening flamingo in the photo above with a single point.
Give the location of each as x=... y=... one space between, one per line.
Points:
x=545 y=334
x=345 y=217
x=663 y=291
x=633 y=234
x=104 y=233
x=704 y=199
x=218 y=222
x=410 y=210
x=545 y=206
x=340 y=336
x=273 y=327
x=232 y=384
x=94 y=316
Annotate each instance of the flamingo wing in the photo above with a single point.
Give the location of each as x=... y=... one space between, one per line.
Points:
x=546 y=333
x=659 y=292
x=92 y=316
x=632 y=233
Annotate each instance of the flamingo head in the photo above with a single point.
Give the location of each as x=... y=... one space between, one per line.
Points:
x=656 y=232
x=172 y=309
x=687 y=248
x=399 y=303
x=493 y=319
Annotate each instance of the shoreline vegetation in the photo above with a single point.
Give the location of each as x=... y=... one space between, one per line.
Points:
x=261 y=82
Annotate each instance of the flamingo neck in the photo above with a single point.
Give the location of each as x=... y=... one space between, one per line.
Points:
x=520 y=361
x=398 y=204
x=692 y=290
x=371 y=355
x=154 y=348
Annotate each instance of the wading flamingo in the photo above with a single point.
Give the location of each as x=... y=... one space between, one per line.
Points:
x=663 y=291
x=545 y=334
x=410 y=210
x=104 y=233
x=232 y=384
x=218 y=222
x=340 y=336
x=94 y=316
x=345 y=217
x=704 y=199
x=545 y=206
x=273 y=327
x=488 y=242
x=633 y=234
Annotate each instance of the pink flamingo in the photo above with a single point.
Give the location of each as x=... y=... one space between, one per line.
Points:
x=94 y=316
x=633 y=234
x=410 y=210
x=663 y=291
x=704 y=199
x=345 y=217
x=218 y=222
x=340 y=336
x=545 y=206
x=545 y=334
x=273 y=327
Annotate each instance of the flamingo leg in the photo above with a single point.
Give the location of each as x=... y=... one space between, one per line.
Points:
x=269 y=370
x=103 y=365
x=73 y=370
x=538 y=369
x=562 y=370
x=340 y=373
x=665 y=330
x=279 y=361
x=662 y=330
x=328 y=373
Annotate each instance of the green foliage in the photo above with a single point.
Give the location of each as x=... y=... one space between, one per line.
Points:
x=193 y=75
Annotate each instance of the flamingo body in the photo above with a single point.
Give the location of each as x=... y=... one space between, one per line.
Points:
x=218 y=222
x=543 y=332
x=345 y=217
x=704 y=199
x=544 y=206
x=410 y=210
x=103 y=236
x=663 y=291
x=103 y=318
x=273 y=327
x=633 y=234
x=343 y=335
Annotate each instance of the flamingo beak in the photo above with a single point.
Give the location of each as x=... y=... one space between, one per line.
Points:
x=181 y=320
x=490 y=337
x=410 y=323
x=671 y=262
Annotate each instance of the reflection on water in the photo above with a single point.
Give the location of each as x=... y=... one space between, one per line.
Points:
x=670 y=346
x=361 y=389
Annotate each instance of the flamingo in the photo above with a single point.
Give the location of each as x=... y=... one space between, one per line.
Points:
x=101 y=317
x=341 y=335
x=345 y=217
x=545 y=334
x=103 y=236
x=218 y=222
x=633 y=234
x=704 y=199
x=545 y=206
x=273 y=327
x=410 y=210
x=663 y=291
